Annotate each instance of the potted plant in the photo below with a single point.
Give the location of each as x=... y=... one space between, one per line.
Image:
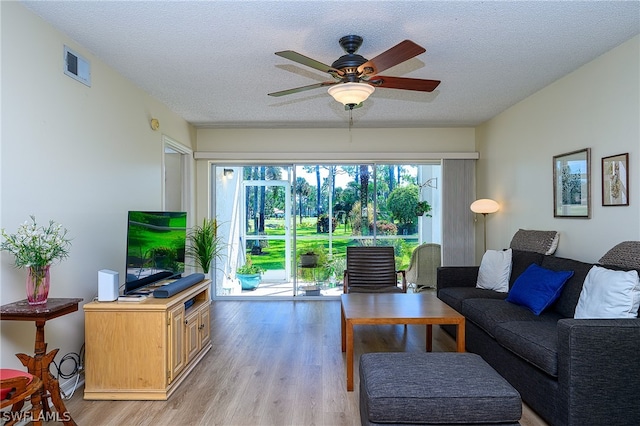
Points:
x=336 y=268
x=204 y=244
x=313 y=268
x=309 y=259
x=312 y=257
x=249 y=275
x=423 y=208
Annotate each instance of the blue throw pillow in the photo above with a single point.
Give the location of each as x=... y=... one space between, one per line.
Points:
x=537 y=288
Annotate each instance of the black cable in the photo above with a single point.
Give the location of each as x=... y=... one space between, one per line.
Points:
x=77 y=367
x=76 y=363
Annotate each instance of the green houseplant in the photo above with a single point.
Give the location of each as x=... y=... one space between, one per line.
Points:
x=423 y=208
x=309 y=259
x=249 y=275
x=312 y=256
x=313 y=265
x=205 y=244
x=37 y=248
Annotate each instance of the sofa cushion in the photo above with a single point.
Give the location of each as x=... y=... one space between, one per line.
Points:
x=495 y=269
x=537 y=288
x=609 y=294
x=534 y=341
x=544 y=242
x=520 y=261
x=453 y=296
x=624 y=255
x=488 y=313
x=566 y=303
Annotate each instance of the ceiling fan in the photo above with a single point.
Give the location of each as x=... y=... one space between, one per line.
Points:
x=355 y=77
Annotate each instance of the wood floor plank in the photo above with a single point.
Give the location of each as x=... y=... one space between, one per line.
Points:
x=273 y=363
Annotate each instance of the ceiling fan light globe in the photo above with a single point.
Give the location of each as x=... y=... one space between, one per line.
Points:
x=351 y=93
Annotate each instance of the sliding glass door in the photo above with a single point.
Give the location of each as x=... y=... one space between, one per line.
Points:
x=295 y=222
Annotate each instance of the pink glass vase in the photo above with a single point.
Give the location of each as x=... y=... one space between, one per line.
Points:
x=38 y=284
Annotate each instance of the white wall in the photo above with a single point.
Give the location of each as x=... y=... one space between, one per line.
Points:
x=597 y=107
x=333 y=144
x=82 y=156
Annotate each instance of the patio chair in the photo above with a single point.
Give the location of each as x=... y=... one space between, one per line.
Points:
x=373 y=270
x=423 y=267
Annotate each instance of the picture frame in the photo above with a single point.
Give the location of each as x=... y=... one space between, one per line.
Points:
x=572 y=184
x=615 y=180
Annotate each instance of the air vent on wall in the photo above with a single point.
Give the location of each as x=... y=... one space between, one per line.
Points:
x=77 y=67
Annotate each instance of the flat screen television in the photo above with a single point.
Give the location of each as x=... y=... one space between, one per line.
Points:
x=155 y=247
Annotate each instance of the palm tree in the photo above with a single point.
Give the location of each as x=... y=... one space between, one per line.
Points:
x=303 y=190
x=364 y=190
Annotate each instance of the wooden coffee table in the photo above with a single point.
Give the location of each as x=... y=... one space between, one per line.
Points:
x=394 y=308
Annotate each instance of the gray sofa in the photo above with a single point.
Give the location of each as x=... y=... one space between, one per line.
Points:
x=570 y=371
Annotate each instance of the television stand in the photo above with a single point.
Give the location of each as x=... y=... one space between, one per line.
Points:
x=144 y=350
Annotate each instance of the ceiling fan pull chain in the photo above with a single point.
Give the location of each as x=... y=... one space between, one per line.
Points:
x=350 y=118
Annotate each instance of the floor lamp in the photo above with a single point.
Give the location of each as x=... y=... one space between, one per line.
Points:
x=485 y=206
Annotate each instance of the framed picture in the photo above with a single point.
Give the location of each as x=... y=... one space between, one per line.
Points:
x=615 y=180
x=572 y=184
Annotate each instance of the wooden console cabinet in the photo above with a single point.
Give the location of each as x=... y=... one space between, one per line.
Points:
x=144 y=350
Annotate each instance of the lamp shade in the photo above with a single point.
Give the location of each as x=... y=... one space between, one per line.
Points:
x=484 y=206
x=351 y=93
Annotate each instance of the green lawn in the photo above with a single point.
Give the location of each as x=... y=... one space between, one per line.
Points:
x=272 y=256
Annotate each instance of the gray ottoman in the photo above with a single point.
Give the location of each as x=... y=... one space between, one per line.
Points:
x=443 y=388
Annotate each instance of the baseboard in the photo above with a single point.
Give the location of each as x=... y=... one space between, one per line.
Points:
x=69 y=387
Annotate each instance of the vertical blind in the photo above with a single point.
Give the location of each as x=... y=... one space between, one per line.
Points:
x=459 y=190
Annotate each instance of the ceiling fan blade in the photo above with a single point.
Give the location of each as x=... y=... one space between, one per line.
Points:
x=303 y=88
x=404 y=83
x=399 y=53
x=304 y=60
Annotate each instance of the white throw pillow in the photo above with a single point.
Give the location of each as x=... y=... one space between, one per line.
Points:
x=609 y=294
x=495 y=270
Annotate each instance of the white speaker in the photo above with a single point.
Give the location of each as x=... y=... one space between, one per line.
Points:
x=107 y=285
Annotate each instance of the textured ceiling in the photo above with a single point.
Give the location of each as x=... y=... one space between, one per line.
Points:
x=213 y=62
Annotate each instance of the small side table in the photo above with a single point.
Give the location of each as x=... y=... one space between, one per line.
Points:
x=38 y=365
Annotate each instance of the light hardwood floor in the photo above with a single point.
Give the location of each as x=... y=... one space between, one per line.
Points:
x=272 y=363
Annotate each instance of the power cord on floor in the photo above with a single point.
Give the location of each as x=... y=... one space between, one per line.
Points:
x=65 y=372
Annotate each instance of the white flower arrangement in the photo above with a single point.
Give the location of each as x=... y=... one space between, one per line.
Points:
x=36 y=247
